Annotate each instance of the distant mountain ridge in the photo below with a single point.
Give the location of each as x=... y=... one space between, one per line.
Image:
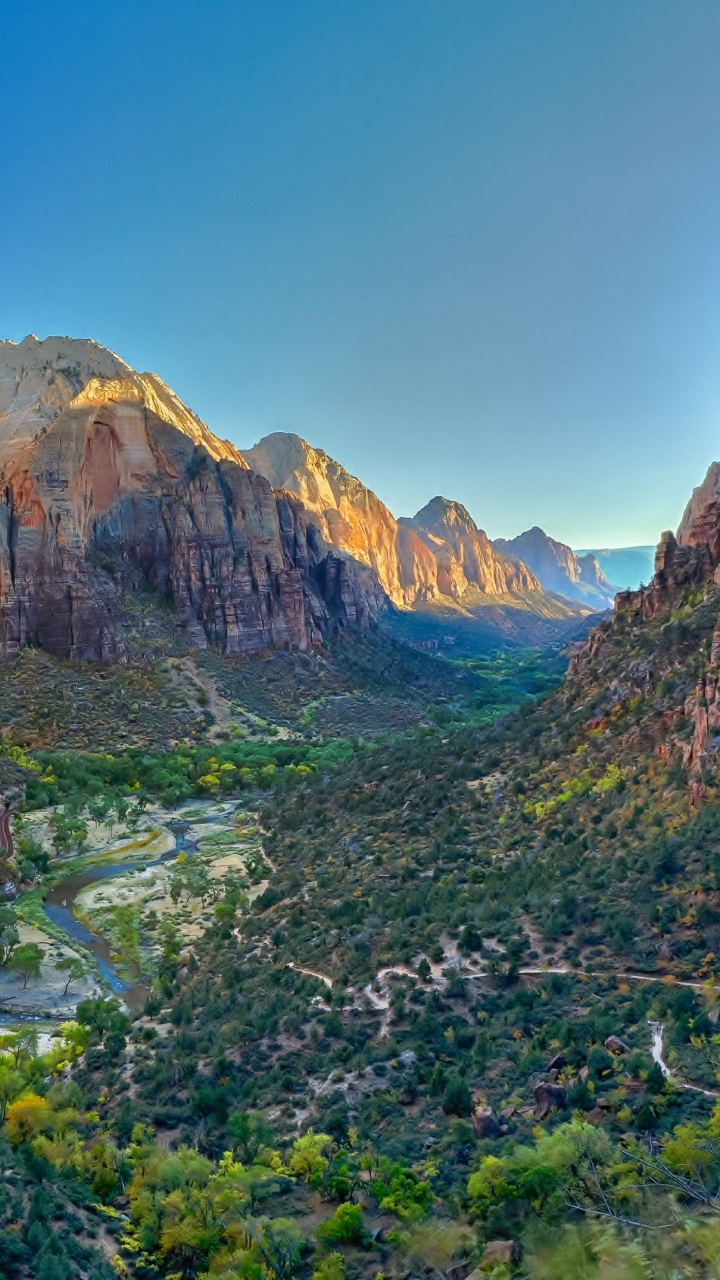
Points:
x=558 y=568
x=625 y=567
x=438 y=559
x=111 y=484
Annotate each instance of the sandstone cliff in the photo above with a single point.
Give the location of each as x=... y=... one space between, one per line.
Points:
x=438 y=554
x=558 y=568
x=465 y=556
x=108 y=480
x=683 y=590
x=350 y=515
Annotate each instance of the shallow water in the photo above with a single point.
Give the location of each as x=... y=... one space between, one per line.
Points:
x=60 y=904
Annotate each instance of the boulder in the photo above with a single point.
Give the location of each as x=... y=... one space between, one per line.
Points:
x=484 y=1123
x=615 y=1045
x=549 y=1097
x=558 y=1062
x=497 y=1252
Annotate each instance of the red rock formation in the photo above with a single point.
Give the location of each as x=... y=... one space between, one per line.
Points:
x=465 y=555
x=440 y=552
x=107 y=479
x=350 y=515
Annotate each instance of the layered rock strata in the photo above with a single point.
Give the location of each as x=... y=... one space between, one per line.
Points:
x=440 y=552
x=349 y=515
x=465 y=556
x=107 y=479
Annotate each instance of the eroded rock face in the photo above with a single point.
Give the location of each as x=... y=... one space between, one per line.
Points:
x=350 y=516
x=106 y=476
x=558 y=568
x=465 y=556
x=439 y=552
x=701 y=518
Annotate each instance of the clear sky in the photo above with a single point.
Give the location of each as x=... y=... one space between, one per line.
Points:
x=466 y=246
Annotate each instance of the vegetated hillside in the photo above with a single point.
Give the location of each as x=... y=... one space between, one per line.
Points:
x=426 y=1035
x=448 y=979
x=361 y=682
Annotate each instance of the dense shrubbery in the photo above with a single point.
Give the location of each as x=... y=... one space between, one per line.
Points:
x=563 y=837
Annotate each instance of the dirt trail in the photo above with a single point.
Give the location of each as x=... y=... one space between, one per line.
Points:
x=195 y=682
x=312 y=973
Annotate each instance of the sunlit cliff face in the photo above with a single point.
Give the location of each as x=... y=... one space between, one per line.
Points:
x=103 y=466
x=39 y=380
x=415 y=560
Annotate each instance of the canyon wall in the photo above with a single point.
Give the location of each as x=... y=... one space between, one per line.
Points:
x=106 y=478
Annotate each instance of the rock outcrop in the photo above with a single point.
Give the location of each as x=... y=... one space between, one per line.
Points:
x=687 y=568
x=108 y=480
x=438 y=553
x=558 y=568
x=350 y=516
x=464 y=554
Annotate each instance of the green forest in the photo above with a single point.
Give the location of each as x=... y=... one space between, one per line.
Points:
x=457 y=1012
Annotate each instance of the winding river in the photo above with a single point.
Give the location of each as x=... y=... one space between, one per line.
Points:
x=60 y=904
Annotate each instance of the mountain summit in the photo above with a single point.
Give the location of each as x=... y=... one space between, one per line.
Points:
x=558 y=567
x=438 y=555
x=110 y=484
x=350 y=516
x=40 y=379
x=465 y=556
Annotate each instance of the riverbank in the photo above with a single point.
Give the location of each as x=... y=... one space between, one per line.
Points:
x=105 y=906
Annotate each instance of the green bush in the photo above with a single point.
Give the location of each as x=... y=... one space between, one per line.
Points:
x=345 y=1226
x=456 y=1098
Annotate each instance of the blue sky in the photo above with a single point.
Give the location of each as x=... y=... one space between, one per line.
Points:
x=467 y=247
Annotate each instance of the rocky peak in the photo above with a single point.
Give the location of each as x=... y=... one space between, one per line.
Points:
x=41 y=378
x=442 y=516
x=440 y=552
x=701 y=519
x=349 y=515
x=465 y=556
x=109 y=480
x=558 y=568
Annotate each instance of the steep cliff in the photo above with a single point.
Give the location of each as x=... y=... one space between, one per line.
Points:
x=673 y=624
x=108 y=480
x=350 y=516
x=558 y=568
x=438 y=556
x=464 y=554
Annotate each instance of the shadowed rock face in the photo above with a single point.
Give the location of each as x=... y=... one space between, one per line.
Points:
x=349 y=515
x=106 y=478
